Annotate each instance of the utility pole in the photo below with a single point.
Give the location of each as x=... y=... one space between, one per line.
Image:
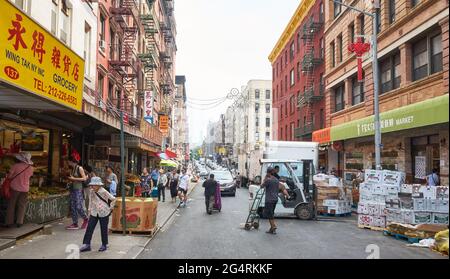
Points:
x=122 y=173
x=375 y=72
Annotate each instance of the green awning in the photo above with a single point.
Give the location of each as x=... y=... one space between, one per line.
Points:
x=429 y=112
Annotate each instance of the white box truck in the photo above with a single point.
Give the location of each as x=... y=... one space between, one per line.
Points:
x=292 y=150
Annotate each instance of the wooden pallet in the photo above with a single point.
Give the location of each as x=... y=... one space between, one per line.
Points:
x=378 y=229
x=143 y=233
x=325 y=214
x=402 y=237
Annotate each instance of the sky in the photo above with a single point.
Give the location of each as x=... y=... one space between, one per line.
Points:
x=221 y=45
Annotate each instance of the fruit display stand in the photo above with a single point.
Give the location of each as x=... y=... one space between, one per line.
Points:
x=140 y=214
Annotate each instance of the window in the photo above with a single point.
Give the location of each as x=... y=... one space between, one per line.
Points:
x=322 y=119
x=298 y=42
x=333 y=55
x=100 y=85
x=65 y=32
x=339 y=98
x=267 y=136
x=257 y=136
x=54 y=19
x=391 y=11
x=390 y=73
x=267 y=108
x=339 y=42
x=285 y=84
x=436 y=54
x=87 y=49
x=286 y=132
x=257 y=108
x=322 y=48
x=281 y=134
x=321 y=84
x=299 y=69
x=361 y=26
x=20 y=4
x=357 y=91
x=321 y=13
x=292 y=78
x=351 y=33
x=267 y=122
x=292 y=104
x=420 y=61
x=292 y=51
x=257 y=94
x=102 y=31
x=285 y=57
x=257 y=121
x=281 y=112
x=292 y=131
x=281 y=87
x=337 y=8
x=267 y=94
x=414 y=2
x=286 y=106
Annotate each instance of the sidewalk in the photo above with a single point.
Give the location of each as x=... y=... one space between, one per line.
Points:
x=61 y=243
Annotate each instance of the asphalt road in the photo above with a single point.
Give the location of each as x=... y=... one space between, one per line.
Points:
x=192 y=234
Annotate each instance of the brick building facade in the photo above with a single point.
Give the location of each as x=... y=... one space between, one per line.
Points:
x=413 y=63
x=298 y=69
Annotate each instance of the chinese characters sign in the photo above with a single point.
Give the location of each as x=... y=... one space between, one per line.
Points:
x=148 y=106
x=164 y=124
x=32 y=59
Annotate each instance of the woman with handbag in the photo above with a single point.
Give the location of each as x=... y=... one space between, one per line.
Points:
x=101 y=204
x=17 y=187
x=77 y=177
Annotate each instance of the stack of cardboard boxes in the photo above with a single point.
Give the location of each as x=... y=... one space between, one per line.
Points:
x=378 y=188
x=332 y=197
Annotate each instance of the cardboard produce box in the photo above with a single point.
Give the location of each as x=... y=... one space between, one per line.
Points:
x=140 y=214
x=373 y=176
x=393 y=178
x=417 y=231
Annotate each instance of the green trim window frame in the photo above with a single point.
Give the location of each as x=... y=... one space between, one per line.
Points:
x=339 y=98
x=357 y=91
x=427 y=56
x=391 y=11
x=390 y=77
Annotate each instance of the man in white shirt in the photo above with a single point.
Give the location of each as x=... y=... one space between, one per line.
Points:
x=183 y=188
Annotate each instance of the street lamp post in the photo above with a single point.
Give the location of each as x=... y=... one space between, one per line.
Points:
x=375 y=71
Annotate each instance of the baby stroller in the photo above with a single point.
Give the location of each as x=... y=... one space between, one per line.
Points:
x=217 y=199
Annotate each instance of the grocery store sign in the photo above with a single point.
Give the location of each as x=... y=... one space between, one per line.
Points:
x=34 y=60
x=429 y=112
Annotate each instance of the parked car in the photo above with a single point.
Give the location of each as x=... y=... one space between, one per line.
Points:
x=203 y=173
x=226 y=182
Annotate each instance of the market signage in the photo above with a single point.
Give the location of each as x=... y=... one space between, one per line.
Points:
x=429 y=112
x=148 y=106
x=321 y=136
x=164 y=124
x=34 y=60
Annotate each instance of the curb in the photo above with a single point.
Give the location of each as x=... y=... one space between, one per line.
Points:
x=159 y=227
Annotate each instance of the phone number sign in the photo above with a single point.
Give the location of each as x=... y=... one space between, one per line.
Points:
x=33 y=59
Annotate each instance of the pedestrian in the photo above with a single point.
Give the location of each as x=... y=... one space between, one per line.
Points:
x=101 y=204
x=155 y=177
x=359 y=178
x=275 y=172
x=183 y=188
x=89 y=174
x=162 y=183
x=19 y=176
x=433 y=178
x=238 y=179
x=210 y=186
x=146 y=183
x=110 y=177
x=273 y=187
x=76 y=178
x=173 y=184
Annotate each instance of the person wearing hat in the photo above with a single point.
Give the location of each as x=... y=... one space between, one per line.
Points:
x=101 y=204
x=19 y=175
x=162 y=183
x=273 y=187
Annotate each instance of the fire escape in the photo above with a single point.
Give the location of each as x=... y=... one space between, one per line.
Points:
x=124 y=65
x=312 y=93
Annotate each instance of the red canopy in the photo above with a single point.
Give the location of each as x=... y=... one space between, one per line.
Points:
x=170 y=154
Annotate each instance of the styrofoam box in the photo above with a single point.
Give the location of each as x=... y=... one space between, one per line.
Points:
x=395 y=178
x=393 y=203
x=406 y=188
x=442 y=192
x=442 y=206
x=440 y=218
x=379 y=221
x=392 y=189
x=365 y=220
x=422 y=217
x=365 y=188
x=379 y=190
x=373 y=176
x=407 y=216
x=420 y=205
x=393 y=215
x=391 y=197
x=330 y=202
x=417 y=191
x=429 y=192
x=363 y=208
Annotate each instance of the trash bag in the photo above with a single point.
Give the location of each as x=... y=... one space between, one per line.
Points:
x=441 y=242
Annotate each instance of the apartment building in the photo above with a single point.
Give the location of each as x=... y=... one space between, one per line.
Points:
x=413 y=64
x=180 y=126
x=298 y=69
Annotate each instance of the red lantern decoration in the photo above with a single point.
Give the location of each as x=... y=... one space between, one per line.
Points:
x=359 y=48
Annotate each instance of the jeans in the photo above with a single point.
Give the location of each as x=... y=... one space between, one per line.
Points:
x=209 y=202
x=91 y=227
x=76 y=205
x=161 y=191
x=18 y=200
